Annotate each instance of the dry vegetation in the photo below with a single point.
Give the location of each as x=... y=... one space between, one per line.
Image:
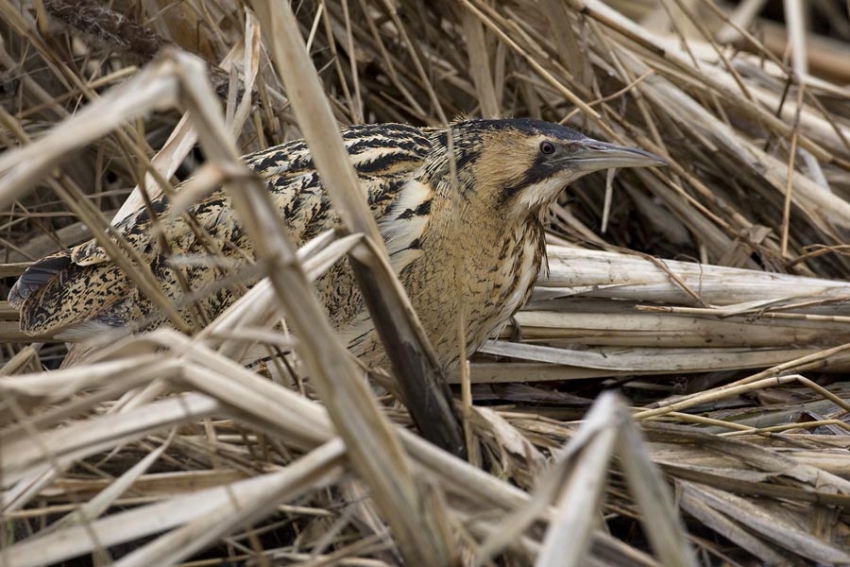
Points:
x=713 y=294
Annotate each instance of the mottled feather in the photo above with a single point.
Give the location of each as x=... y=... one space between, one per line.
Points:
x=89 y=287
x=462 y=223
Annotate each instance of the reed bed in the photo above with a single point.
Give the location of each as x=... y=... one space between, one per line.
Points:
x=673 y=394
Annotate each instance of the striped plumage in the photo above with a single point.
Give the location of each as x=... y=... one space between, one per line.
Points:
x=467 y=244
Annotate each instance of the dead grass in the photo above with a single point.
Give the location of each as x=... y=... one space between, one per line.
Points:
x=713 y=293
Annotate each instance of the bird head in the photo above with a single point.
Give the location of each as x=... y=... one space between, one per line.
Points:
x=519 y=166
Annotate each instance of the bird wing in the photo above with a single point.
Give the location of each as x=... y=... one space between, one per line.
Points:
x=70 y=289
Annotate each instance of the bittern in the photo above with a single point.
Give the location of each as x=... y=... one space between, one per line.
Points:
x=462 y=222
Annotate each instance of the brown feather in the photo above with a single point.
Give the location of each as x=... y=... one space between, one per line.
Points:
x=467 y=246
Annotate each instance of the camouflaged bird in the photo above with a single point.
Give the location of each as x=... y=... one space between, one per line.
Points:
x=482 y=224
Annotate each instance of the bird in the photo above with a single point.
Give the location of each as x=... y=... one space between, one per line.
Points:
x=461 y=210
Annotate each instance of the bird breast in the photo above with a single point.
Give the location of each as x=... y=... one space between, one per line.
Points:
x=473 y=280
x=516 y=271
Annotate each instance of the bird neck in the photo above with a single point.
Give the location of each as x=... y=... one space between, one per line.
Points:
x=474 y=262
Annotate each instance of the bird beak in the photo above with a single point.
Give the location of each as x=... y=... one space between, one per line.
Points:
x=592 y=155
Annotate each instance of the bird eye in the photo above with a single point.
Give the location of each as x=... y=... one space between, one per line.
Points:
x=547 y=148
